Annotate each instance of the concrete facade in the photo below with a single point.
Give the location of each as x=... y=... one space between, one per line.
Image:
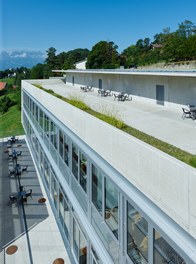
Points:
x=179 y=87
x=149 y=169
x=161 y=186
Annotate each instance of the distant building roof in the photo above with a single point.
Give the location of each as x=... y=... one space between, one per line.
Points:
x=155 y=46
x=2 y=85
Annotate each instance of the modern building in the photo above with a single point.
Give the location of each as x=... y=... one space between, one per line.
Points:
x=116 y=199
x=81 y=65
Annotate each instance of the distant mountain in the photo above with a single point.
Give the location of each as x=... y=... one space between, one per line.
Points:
x=20 y=58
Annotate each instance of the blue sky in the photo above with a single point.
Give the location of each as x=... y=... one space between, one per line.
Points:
x=67 y=25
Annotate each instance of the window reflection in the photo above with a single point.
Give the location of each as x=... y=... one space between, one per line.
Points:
x=53 y=136
x=111 y=206
x=163 y=252
x=79 y=244
x=97 y=188
x=61 y=143
x=46 y=125
x=83 y=171
x=75 y=161
x=64 y=212
x=66 y=150
x=137 y=239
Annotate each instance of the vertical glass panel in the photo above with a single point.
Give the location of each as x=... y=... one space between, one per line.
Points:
x=83 y=171
x=137 y=239
x=36 y=113
x=95 y=258
x=75 y=239
x=163 y=252
x=54 y=188
x=47 y=171
x=97 y=188
x=41 y=121
x=46 y=125
x=75 y=161
x=53 y=136
x=66 y=218
x=83 y=249
x=61 y=206
x=66 y=150
x=61 y=143
x=111 y=206
x=41 y=115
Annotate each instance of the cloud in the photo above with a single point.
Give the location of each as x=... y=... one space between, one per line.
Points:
x=20 y=58
x=23 y=55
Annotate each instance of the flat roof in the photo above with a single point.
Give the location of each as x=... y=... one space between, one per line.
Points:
x=161 y=122
x=188 y=73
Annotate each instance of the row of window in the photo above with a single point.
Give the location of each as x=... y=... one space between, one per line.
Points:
x=91 y=184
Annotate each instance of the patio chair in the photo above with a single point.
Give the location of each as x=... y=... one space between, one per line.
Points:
x=19 y=153
x=24 y=168
x=29 y=193
x=12 y=200
x=186 y=113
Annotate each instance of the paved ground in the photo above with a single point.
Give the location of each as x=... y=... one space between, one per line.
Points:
x=31 y=227
x=158 y=121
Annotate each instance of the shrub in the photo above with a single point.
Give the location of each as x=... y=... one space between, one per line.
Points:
x=5 y=104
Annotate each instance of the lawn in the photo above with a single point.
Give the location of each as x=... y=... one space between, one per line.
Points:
x=10 y=122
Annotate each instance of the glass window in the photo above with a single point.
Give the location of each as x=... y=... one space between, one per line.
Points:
x=36 y=113
x=95 y=258
x=75 y=161
x=163 y=252
x=61 y=143
x=83 y=171
x=66 y=150
x=83 y=249
x=41 y=116
x=97 y=188
x=46 y=125
x=75 y=238
x=111 y=206
x=47 y=171
x=67 y=215
x=79 y=244
x=64 y=213
x=53 y=134
x=54 y=188
x=137 y=239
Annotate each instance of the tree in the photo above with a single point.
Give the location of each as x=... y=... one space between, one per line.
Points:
x=186 y=29
x=103 y=55
x=37 y=72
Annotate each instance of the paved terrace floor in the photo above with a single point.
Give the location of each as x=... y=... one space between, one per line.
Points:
x=31 y=227
x=158 y=121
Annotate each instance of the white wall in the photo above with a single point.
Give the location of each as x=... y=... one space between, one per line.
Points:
x=178 y=90
x=81 y=65
x=169 y=183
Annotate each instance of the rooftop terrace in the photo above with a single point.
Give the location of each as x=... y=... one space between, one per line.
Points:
x=158 y=121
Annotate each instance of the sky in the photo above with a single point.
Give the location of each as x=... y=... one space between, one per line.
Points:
x=67 y=25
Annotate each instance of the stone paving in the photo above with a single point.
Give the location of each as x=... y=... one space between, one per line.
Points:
x=30 y=226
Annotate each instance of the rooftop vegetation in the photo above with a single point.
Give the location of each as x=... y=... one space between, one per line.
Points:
x=173 y=151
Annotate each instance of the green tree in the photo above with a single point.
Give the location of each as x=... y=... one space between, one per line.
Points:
x=103 y=55
x=37 y=72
